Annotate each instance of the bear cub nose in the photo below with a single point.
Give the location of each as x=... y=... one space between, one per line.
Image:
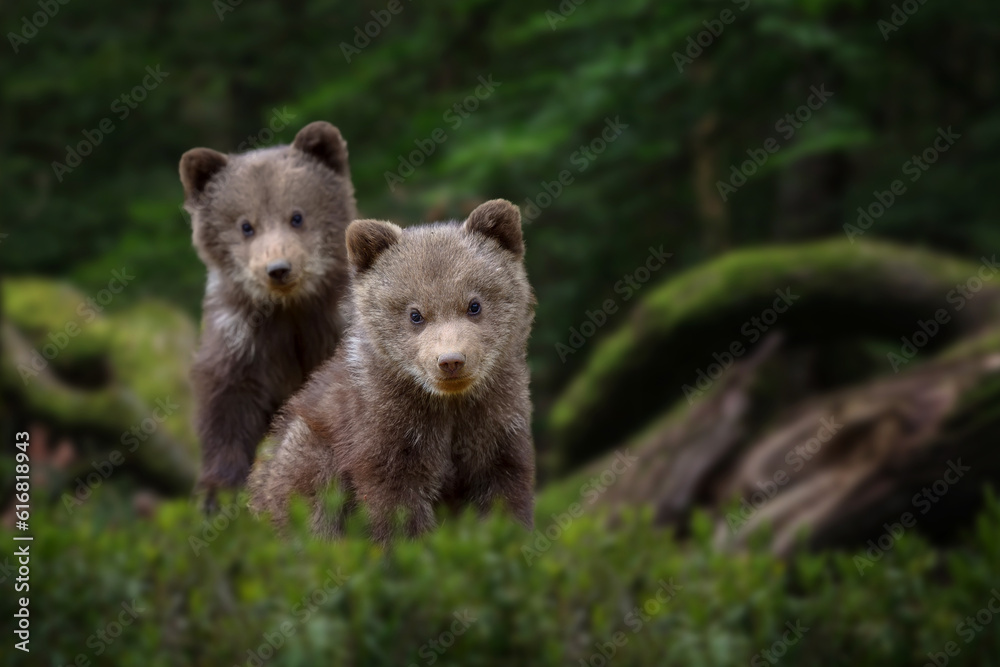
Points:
x=451 y=362
x=279 y=270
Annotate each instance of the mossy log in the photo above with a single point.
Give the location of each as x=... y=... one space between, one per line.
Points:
x=848 y=303
x=835 y=469
x=909 y=433
x=101 y=379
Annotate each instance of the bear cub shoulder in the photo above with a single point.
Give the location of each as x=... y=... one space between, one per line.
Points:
x=269 y=226
x=426 y=401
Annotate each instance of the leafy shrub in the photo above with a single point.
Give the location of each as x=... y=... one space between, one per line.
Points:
x=483 y=593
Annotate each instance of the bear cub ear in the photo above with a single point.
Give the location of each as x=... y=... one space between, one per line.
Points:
x=197 y=168
x=323 y=141
x=367 y=239
x=501 y=221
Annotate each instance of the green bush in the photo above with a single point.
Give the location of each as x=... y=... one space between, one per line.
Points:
x=486 y=590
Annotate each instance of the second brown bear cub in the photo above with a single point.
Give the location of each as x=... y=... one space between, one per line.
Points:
x=269 y=225
x=426 y=401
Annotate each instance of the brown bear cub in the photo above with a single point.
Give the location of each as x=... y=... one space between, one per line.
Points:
x=269 y=226
x=426 y=401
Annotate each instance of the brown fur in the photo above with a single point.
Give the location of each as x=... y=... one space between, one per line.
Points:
x=264 y=332
x=393 y=418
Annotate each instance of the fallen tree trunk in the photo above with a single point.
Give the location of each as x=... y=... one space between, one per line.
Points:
x=909 y=450
x=909 y=442
x=843 y=308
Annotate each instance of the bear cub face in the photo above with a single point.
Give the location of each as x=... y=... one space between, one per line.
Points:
x=271 y=221
x=444 y=307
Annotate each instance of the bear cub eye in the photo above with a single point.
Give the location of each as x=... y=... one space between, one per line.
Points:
x=247 y=229
x=474 y=307
x=296 y=219
x=416 y=317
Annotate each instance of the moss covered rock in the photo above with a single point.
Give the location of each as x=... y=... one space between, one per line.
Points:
x=826 y=293
x=115 y=380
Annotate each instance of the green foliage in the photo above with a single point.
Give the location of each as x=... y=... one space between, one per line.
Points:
x=208 y=596
x=560 y=79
